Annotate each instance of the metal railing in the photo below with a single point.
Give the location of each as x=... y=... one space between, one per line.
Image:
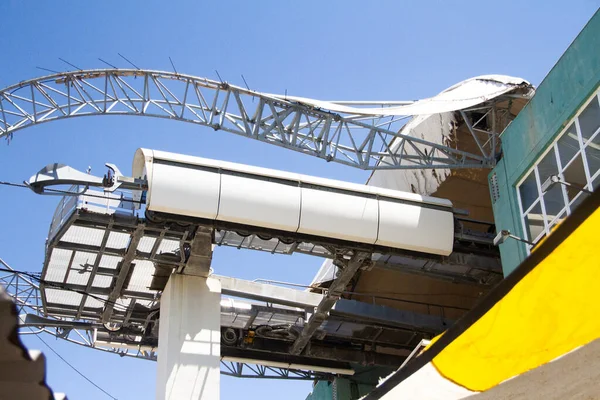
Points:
x=119 y=202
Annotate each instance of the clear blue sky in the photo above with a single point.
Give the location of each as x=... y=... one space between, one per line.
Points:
x=378 y=50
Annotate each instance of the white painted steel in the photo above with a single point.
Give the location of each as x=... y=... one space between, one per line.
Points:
x=416 y=228
x=144 y=158
x=271 y=199
x=253 y=201
x=186 y=191
x=340 y=216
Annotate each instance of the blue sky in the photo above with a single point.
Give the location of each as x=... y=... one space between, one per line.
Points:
x=379 y=50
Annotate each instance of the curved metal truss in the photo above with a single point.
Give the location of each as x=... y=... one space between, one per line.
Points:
x=360 y=141
x=26 y=295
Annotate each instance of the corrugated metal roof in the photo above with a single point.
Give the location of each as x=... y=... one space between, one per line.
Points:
x=146 y=243
x=111 y=262
x=141 y=277
x=66 y=297
x=118 y=240
x=83 y=235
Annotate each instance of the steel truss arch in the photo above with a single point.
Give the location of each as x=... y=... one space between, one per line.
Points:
x=361 y=141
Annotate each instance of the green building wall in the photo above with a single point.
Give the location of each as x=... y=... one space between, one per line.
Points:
x=344 y=389
x=569 y=84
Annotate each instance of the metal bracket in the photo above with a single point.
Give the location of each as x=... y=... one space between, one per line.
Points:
x=60 y=174
x=348 y=267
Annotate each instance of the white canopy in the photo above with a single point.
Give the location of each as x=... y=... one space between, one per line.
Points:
x=465 y=94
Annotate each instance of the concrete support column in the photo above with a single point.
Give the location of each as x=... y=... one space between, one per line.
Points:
x=189 y=342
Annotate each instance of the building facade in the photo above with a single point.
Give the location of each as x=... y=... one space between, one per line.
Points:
x=551 y=150
x=548 y=164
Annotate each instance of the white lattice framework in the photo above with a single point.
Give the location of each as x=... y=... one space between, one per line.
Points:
x=356 y=140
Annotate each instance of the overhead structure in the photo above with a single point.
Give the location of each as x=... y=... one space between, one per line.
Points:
x=365 y=137
x=251 y=198
x=110 y=253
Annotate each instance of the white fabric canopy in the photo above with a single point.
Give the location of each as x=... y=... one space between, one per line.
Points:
x=465 y=94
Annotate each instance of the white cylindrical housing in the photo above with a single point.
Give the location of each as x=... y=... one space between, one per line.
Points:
x=283 y=201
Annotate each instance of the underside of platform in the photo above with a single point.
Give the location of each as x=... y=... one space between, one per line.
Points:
x=108 y=266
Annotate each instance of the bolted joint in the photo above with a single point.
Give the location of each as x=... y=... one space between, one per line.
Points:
x=333 y=295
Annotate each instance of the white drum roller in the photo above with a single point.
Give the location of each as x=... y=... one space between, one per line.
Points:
x=284 y=201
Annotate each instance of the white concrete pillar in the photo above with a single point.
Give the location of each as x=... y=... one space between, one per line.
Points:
x=189 y=341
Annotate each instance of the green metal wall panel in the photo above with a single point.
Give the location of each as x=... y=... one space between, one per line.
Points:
x=569 y=84
x=321 y=391
x=506 y=216
x=341 y=389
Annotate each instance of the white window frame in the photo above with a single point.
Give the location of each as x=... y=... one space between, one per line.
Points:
x=568 y=208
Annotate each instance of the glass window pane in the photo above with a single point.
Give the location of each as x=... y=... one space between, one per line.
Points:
x=592 y=153
x=575 y=175
x=568 y=145
x=528 y=191
x=534 y=222
x=554 y=201
x=547 y=167
x=589 y=120
x=596 y=182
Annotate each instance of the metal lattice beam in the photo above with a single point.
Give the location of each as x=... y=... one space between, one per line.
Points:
x=360 y=141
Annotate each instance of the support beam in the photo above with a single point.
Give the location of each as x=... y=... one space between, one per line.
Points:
x=472 y=131
x=117 y=252
x=189 y=353
x=94 y=269
x=388 y=316
x=123 y=273
x=198 y=263
x=326 y=304
x=269 y=293
x=343 y=308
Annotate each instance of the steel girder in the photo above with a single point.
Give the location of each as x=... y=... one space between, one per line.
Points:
x=365 y=142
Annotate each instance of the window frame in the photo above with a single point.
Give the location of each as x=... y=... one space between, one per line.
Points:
x=553 y=147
